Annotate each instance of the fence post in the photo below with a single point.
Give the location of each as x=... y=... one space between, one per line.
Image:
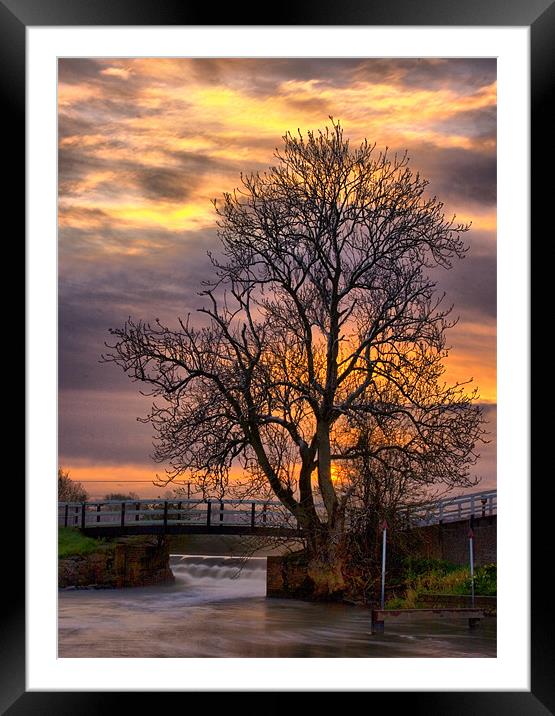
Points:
x=471 y=555
x=179 y=510
x=221 y=512
x=123 y=514
x=98 y=513
x=83 y=514
x=253 y=509
x=165 y=515
x=76 y=516
x=66 y=515
x=208 y=512
x=264 y=508
x=384 y=549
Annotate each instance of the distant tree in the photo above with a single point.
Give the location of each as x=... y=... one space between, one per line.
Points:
x=323 y=312
x=122 y=496
x=68 y=490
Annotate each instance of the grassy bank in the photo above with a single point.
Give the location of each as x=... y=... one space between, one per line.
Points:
x=72 y=542
x=425 y=576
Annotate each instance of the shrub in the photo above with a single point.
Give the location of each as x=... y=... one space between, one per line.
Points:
x=485 y=581
x=432 y=576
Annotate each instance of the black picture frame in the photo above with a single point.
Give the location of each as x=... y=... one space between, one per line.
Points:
x=539 y=16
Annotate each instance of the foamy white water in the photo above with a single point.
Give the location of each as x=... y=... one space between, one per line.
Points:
x=217 y=609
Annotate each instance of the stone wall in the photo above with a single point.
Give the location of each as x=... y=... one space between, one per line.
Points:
x=287 y=578
x=133 y=562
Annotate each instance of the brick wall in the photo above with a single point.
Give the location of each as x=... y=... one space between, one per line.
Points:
x=450 y=541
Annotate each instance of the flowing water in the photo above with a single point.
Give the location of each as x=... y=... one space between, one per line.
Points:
x=216 y=609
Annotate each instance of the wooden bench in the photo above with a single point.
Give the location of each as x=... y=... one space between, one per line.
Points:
x=380 y=615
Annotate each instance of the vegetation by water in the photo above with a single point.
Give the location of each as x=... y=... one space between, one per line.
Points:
x=72 y=542
x=433 y=576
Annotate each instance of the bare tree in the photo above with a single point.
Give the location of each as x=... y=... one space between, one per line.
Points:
x=322 y=314
x=68 y=490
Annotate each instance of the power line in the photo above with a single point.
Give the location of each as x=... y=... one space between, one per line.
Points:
x=122 y=482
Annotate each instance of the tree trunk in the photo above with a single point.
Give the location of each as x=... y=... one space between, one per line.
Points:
x=324 y=470
x=326 y=561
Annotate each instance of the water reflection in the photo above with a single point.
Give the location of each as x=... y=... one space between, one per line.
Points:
x=215 y=610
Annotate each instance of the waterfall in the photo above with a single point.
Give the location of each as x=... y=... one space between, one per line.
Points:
x=222 y=577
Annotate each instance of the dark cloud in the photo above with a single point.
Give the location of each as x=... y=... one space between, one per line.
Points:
x=162 y=283
x=263 y=76
x=457 y=174
x=72 y=126
x=75 y=70
x=425 y=73
x=175 y=181
x=475 y=123
x=75 y=162
x=101 y=425
x=97 y=73
x=166 y=184
x=470 y=286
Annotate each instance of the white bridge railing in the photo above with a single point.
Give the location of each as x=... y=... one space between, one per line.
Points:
x=246 y=514
x=201 y=513
x=454 y=509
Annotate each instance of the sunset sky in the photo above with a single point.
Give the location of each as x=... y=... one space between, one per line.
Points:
x=145 y=144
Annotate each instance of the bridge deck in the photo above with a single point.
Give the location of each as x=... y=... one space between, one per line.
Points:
x=176 y=528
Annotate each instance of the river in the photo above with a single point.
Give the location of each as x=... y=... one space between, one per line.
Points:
x=215 y=609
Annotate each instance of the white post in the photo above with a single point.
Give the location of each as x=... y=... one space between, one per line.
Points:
x=471 y=548
x=384 y=548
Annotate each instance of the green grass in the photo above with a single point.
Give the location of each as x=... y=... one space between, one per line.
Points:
x=71 y=542
x=439 y=577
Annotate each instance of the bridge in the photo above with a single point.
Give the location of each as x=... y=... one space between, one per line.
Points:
x=111 y=518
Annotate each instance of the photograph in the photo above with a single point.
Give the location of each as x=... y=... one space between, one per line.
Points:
x=277 y=357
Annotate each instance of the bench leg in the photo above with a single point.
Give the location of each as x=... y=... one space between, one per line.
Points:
x=378 y=627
